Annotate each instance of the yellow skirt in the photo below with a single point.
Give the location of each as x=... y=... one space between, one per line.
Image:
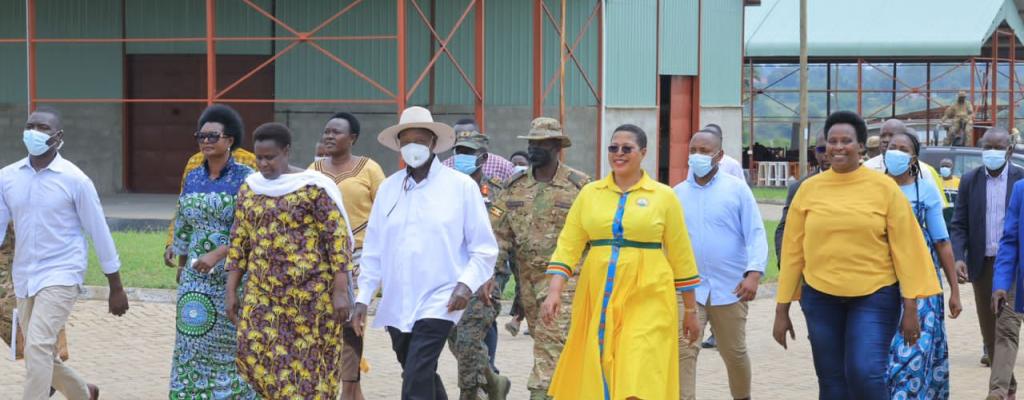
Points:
x=641 y=331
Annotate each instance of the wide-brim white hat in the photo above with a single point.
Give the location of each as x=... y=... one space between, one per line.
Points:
x=418 y=117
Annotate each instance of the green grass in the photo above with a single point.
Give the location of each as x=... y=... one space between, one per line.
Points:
x=770 y=194
x=142 y=262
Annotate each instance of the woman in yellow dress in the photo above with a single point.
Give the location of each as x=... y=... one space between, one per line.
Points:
x=623 y=339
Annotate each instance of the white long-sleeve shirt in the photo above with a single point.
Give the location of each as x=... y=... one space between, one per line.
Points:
x=51 y=210
x=422 y=239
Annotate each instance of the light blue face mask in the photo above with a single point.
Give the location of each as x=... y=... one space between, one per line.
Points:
x=35 y=142
x=946 y=172
x=993 y=159
x=896 y=162
x=466 y=163
x=701 y=164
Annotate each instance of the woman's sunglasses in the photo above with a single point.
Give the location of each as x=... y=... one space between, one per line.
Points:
x=615 y=149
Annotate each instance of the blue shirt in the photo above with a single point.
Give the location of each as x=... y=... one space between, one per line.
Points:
x=726 y=233
x=1007 y=265
x=926 y=202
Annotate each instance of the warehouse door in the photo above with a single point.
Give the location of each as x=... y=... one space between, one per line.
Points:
x=158 y=135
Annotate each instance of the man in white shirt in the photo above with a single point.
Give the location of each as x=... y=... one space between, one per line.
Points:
x=428 y=245
x=728 y=165
x=731 y=249
x=52 y=203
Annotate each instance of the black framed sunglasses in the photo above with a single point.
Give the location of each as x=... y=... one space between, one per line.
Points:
x=625 y=149
x=208 y=137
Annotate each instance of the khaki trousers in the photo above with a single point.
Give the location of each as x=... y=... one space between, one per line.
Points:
x=729 y=326
x=41 y=317
x=1007 y=338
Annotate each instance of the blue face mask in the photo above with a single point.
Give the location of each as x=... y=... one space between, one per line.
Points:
x=993 y=159
x=35 y=142
x=945 y=171
x=466 y=163
x=896 y=162
x=701 y=164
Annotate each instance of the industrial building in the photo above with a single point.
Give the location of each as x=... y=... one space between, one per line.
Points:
x=131 y=76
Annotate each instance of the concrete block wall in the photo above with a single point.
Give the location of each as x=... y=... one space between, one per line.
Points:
x=93 y=140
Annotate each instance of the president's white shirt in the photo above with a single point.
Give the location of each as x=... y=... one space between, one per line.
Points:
x=421 y=240
x=52 y=210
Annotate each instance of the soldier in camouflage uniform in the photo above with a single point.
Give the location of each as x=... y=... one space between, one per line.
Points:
x=531 y=211
x=467 y=339
x=959 y=122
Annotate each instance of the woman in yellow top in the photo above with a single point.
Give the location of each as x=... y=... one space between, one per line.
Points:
x=623 y=339
x=358 y=179
x=852 y=249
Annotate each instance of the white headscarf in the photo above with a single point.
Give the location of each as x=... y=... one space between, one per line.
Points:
x=288 y=183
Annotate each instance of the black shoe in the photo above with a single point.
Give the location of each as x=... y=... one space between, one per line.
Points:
x=709 y=344
x=986 y=361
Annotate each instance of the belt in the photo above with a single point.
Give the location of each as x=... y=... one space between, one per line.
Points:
x=625 y=243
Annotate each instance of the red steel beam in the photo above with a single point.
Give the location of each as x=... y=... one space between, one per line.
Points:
x=538 y=60
x=229 y=100
x=443 y=49
x=211 y=52
x=271 y=17
x=333 y=18
x=400 y=98
x=1013 y=73
x=993 y=106
x=479 y=56
x=572 y=50
x=351 y=69
x=201 y=39
x=258 y=68
x=30 y=36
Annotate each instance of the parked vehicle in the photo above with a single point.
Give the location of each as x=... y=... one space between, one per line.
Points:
x=964 y=158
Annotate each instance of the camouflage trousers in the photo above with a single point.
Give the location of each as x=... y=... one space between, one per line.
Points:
x=467 y=342
x=547 y=341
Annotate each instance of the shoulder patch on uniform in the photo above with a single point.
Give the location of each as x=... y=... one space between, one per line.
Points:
x=578 y=178
x=496 y=211
x=514 y=204
x=515 y=177
x=496 y=182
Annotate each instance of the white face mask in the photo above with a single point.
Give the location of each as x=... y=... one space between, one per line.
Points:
x=35 y=142
x=415 y=154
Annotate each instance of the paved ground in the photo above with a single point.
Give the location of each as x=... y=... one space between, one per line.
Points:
x=129 y=357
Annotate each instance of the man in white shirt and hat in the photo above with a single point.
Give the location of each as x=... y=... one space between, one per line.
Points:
x=429 y=246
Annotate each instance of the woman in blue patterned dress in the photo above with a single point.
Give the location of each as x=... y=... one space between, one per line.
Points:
x=203 y=366
x=919 y=367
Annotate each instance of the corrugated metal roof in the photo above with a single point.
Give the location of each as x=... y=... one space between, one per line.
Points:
x=877 y=28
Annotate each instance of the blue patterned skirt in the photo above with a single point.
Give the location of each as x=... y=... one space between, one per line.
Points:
x=921 y=371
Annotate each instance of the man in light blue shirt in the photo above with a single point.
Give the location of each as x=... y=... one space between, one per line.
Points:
x=729 y=242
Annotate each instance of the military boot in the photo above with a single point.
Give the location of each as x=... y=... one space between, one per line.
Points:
x=470 y=394
x=536 y=394
x=497 y=385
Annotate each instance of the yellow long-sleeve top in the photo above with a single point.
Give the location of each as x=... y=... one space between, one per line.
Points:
x=851 y=234
x=651 y=219
x=358 y=190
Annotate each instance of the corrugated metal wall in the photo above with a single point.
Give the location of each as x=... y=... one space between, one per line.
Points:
x=721 y=52
x=12 y=67
x=632 y=52
x=305 y=72
x=680 y=24
x=79 y=70
x=187 y=18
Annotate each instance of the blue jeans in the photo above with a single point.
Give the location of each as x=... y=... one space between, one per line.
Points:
x=850 y=339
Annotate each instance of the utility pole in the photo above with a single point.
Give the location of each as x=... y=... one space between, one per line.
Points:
x=803 y=88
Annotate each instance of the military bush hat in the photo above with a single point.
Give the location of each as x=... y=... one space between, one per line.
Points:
x=545 y=128
x=471 y=139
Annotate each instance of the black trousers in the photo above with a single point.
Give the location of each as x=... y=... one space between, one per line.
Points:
x=418 y=352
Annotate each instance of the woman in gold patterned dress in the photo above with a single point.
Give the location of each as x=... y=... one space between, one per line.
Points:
x=292 y=243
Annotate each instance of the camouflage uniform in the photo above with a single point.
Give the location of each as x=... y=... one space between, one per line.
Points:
x=531 y=215
x=959 y=121
x=7 y=299
x=467 y=339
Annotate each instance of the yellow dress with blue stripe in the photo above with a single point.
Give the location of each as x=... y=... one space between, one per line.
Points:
x=624 y=336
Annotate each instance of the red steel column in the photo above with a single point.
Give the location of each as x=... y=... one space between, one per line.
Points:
x=479 y=64
x=30 y=38
x=680 y=122
x=600 y=88
x=400 y=95
x=538 y=59
x=211 y=52
x=860 y=87
x=1013 y=76
x=993 y=108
